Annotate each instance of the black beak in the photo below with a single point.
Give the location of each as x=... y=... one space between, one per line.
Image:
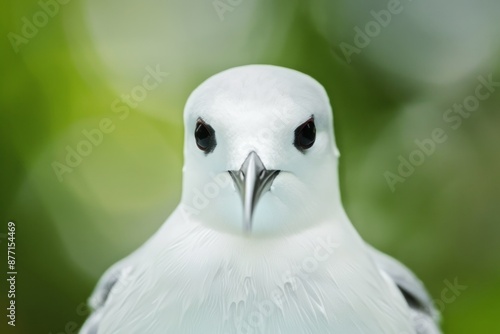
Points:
x=252 y=180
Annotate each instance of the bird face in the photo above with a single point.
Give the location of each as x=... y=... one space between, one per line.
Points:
x=265 y=133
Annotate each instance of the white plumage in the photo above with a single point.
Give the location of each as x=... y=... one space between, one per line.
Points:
x=299 y=267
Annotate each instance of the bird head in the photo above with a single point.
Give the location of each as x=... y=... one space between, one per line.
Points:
x=260 y=154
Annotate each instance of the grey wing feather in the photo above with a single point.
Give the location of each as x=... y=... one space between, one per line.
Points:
x=91 y=325
x=100 y=295
x=424 y=315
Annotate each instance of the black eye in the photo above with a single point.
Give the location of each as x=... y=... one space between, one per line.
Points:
x=305 y=135
x=205 y=136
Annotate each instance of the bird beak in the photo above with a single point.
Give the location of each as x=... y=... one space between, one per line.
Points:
x=252 y=180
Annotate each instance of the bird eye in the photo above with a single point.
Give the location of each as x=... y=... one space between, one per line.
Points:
x=205 y=136
x=305 y=135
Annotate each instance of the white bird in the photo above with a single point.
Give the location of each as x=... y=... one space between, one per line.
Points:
x=260 y=242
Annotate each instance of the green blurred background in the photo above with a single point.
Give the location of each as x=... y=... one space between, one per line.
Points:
x=66 y=77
